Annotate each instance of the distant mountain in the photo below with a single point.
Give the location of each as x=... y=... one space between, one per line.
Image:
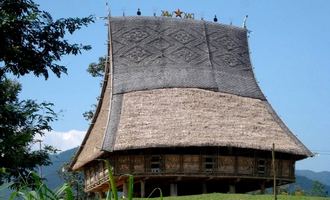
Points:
x=51 y=172
x=305 y=184
x=305 y=179
x=323 y=177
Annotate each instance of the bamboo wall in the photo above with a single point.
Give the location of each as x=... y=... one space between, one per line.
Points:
x=186 y=165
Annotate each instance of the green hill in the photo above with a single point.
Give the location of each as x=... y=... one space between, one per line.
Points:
x=50 y=173
x=323 y=177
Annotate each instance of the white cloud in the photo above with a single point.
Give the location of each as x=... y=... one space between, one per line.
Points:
x=62 y=140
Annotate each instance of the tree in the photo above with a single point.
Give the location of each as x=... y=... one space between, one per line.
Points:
x=30 y=42
x=95 y=70
x=75 y=180
x=20 y=122
x=318 y=189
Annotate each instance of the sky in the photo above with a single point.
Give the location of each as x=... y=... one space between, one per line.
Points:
x=290 y=52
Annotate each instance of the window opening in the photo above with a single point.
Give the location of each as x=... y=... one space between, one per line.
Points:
x=155 y=163
x=261 y=167
x=209 y=163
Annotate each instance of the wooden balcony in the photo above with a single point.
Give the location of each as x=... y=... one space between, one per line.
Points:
x=178 y=167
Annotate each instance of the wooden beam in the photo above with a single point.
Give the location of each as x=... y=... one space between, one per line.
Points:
x=274 y=172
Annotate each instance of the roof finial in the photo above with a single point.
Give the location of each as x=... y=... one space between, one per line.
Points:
x=178 y=13
x=215 y=19
x=108 y=8
x=138 y=12
x=244 y=21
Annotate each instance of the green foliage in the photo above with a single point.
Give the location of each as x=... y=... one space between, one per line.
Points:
x=41 y=191
x=97 y=69
x=20 y=123
x=88 y=115
x=113 y=193
x=130 y=187
x=318 y=189
x=299 y=192
x=112 y=182
x=75 y=180
x=32 y=42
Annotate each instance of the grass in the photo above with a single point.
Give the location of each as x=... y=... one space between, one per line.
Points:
x=218 y=196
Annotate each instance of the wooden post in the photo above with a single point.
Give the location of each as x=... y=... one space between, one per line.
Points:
x=262 y=188
x=125 y=189
x=232 y=189
x=204 y=188
x=174 y=189
x=142 y=188
x=274 y=172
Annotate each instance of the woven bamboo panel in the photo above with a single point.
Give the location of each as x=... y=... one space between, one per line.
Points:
x=191 y=163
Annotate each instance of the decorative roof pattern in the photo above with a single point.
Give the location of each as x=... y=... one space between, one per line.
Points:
x=158 y=52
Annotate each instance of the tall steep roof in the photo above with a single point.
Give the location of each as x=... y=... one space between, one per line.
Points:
x=158 y=52
x=180 y=83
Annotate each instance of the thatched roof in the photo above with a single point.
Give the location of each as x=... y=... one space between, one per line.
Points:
x=181 y=83
x=184 y=117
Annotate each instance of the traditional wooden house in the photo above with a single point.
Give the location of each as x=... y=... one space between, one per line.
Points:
x=180 y=109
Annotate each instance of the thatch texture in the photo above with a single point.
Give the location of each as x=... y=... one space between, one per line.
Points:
x=91 y=147
x=181 y=117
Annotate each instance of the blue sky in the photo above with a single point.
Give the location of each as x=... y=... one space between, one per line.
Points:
x=290 y=52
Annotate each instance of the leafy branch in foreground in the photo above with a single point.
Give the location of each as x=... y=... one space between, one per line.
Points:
x=41 y=191
x=21 y=122
x=32 y=41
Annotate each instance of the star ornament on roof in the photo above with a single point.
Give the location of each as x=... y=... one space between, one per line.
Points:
x=178 y=13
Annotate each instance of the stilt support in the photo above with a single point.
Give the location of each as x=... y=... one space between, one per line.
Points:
x=262 y=188
x=232 y=189
x=142 y=188
x=204 y=189
x=174 y=189
x=125 y=189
